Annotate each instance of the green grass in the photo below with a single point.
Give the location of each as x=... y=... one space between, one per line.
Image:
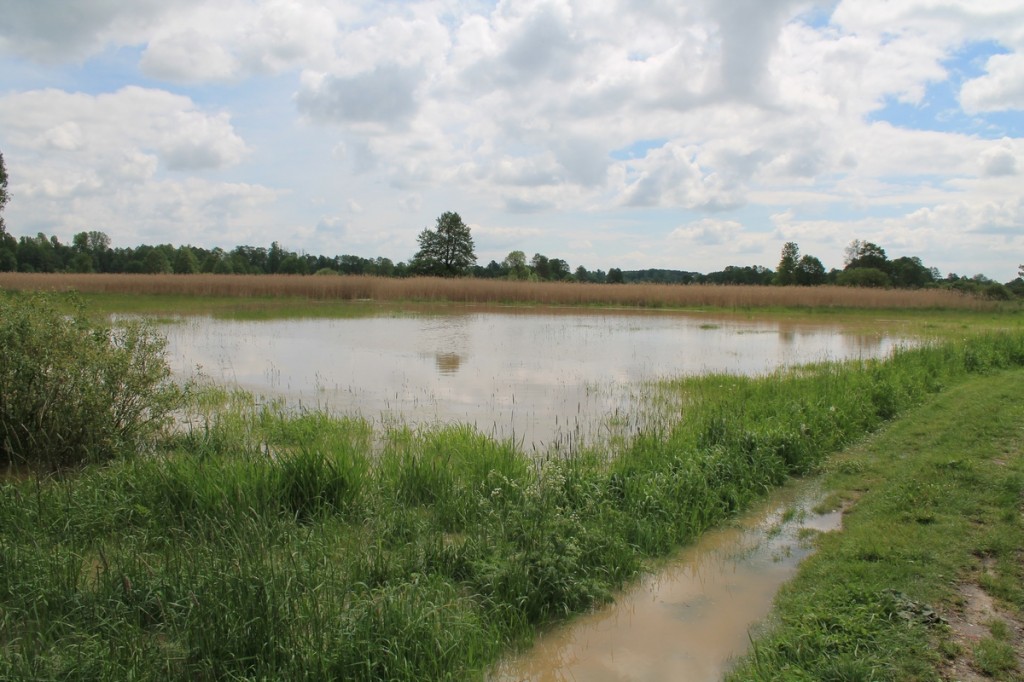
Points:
x=267 y=545
x=933 y=494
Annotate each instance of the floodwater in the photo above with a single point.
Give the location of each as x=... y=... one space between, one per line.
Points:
x=691 y=618
x=540 y=378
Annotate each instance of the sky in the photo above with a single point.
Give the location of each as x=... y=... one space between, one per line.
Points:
x=637 y=134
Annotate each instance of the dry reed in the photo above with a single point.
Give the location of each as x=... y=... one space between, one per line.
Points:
x=433 y=289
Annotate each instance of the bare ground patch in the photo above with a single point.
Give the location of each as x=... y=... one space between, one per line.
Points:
x=978 y=623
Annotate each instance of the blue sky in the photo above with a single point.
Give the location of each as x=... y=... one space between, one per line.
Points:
x=609 y=134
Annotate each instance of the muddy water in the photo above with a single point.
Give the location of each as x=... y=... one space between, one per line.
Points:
x=687 y=621
x=538 y=378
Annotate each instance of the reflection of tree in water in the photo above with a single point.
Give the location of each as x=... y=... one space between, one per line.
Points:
x=448 y=363
x=864 y=345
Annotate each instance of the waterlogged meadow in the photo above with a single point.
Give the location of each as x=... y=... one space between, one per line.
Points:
x=266 y=543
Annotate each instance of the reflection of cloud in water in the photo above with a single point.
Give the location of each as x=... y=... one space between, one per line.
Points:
x=527 y=373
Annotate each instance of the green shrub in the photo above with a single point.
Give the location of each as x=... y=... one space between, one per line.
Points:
x=74 y=391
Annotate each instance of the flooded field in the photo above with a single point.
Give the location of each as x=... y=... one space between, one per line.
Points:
x=539 y=378
x=687 y=621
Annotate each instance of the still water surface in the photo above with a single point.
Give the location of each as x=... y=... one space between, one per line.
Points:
x=540 y=378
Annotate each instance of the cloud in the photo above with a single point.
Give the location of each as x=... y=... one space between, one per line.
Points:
x=51 y=31
x=999 y=160
x=385 y=96
x=96 y=131
x=707 y=231
x=518 y=204
x=82 y=161
x=672 y=176
x=749 y=31
x=1000 y=89
x=189 y=54
x=527 y=47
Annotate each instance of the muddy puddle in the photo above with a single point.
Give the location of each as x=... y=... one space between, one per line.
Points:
x=691 y=618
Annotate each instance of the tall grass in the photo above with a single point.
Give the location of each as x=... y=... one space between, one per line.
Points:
x=272 y=545
x=495 y=291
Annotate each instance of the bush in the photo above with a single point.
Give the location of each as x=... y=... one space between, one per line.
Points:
x=75 y=391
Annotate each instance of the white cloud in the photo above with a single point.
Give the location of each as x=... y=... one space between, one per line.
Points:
x=97 y=131
x=80 y=161
x=1000 y=89
x=54 y=30
x=673 y=176
x=707 y=231
x=385 y=96
x=999 y=160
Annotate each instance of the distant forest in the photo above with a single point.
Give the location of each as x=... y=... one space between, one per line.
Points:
x=866 y=265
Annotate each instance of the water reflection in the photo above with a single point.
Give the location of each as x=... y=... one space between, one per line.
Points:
x=448 y=363
x=537 y=377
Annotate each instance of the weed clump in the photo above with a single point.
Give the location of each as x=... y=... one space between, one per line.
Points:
x=74 y=391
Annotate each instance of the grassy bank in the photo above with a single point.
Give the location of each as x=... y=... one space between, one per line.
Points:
x=259 y=544
x=925 y=581
x=486 y=291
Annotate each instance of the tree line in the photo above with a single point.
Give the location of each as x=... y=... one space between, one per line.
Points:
x=448 y=251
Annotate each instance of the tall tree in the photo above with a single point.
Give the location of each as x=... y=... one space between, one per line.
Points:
x=8 y=244
x=4 y=196
x=541 y=265
x=809 y=271
x=558 y=269
x=909 y=272
x=786 y=273
x=515 y=265
x=862 y=254
x=447 y=250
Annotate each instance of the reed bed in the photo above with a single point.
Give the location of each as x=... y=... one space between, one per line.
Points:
x=484 y=291
x=271 y=545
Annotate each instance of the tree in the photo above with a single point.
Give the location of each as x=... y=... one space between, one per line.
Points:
x=383 y=267
x=515 y=265
x=615 y=276
x=185 y=261
x=809 y=271
x=4 y=196
x=157 y=263
x=786 y=272
x=91 y=251
x=274 y=258
x=863 y=277
x=541 y=266
x=861 y=254
x=909 y=273
x=446 y=251
x=558 y=270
